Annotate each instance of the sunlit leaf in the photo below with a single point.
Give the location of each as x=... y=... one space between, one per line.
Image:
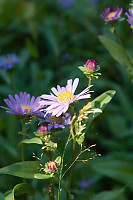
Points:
x=22 y=188
x=26 y=169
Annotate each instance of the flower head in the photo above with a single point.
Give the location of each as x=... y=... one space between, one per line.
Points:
x=91 y=65
x=22 y=105
x=66 y=3
x=7 y=62
x=111 y=14
x=55 y=122
x=84 y=184
x=58 y=103
x=43 y=129
x=51 y=165
x=130 y=17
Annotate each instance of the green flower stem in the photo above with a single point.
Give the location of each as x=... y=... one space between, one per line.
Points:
x=71 y=169
x=123 y=49
x=73 y=153
x=51 y=192
x=23 y=145
x=62 y=161
x=90 y=80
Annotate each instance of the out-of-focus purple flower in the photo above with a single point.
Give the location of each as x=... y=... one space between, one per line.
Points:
x=55 y=122
x=8 y=61
x=91 y=65
x=58 y=103
x=66 y=56
x=130 y=17
x=66 y=3
x=84 y=184
x=22 y=105
x=111 y=14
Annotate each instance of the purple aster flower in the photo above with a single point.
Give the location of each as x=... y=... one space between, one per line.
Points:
x=58 y=103
x=7 y=62
x=66 y=3
x=84 y=184
x=111 y=14
x=130 y=16
x=55 y=122
x=22 y=105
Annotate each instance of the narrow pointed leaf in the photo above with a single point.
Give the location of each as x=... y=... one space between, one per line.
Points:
x=34 y=140
x=26 y=169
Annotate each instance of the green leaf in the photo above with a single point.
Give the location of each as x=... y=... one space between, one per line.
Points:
x=80 y=139
x=108 y=195
x=26 y=169
x=43 y=176
x=34 y=140
x=58 y=160
x=117 y=52
x=22 y=188
x=100 y=103
x=120 y=170
x=102 y=100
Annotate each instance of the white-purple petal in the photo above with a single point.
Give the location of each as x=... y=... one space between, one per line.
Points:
x=75 y=84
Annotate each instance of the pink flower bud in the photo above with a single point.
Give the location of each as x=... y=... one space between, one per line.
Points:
x=91 y=65
x=43 y=129
x=51 y=165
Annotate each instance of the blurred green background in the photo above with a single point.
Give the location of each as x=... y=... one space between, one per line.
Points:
x=52 y=42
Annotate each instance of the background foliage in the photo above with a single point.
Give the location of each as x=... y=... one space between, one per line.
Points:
x=51 y=43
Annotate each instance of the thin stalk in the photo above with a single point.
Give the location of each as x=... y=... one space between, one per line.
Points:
x=51 y=193
x=90 y=80
x=71 y=170
x=62 y=162
x=23 y=145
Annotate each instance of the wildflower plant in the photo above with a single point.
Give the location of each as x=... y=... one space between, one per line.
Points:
x=55 y=112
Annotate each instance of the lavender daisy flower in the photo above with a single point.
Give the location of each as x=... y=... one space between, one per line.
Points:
x=7 y=62
x=58 y=103
x=84 y=184
x=66 y=3
x=55 y=122
x=22 y=105
x=111 y=14
x=130 y=17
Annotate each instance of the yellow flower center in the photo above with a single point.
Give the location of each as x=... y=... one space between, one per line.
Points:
x=111 y=14
x=26 y=107
x=65 y=97
x=55 y=119
x=9 y=60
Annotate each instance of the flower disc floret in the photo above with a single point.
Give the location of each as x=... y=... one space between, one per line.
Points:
x=111 y=14
x=55 y=122
x=22 y=105
x=58 y=103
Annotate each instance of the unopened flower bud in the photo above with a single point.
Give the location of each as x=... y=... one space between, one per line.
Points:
x=52 y=165
x=91 y=65
x=43 y=129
